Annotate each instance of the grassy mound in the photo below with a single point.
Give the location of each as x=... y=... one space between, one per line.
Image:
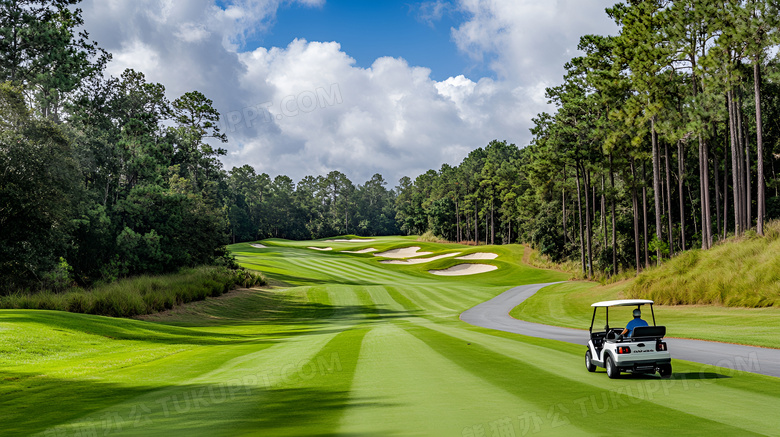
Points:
x=741 y=272
x=138 y=295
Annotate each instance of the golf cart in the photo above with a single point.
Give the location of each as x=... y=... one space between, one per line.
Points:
x=643 y=352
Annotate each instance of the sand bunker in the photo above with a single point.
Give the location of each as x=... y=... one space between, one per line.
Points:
x=320 y=248
x=258 y=246
x=420 y=260
x=366 y=250
x=464 y=269
x=479 y=255
x=354 y=240
x=405 y=252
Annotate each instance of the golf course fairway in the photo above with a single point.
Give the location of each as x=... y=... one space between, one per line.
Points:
x=347 y=345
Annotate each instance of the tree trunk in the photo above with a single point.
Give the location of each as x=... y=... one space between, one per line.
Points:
x=468 y=226
x=736 y=179
x=725 y=188
x=740 y=164
x=579 y=211
x=701 y=194
x=759 y=147
x=656 y=190
x=476 y=224
x=588 y=222
x=644 y=214
x=635 y=203
x=563 y=203
x=681 y=181
x=716 y=164
x=669 y=198
x=492 y=224
x=603 y=214
x=457 y=222
x=707 y=223
x=745 y=149
x=612 y=211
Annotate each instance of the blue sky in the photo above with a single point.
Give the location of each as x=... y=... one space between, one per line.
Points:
x=368 y=30
x=410 y=85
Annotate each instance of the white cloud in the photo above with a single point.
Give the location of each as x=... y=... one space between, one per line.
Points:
x=528 y=41
x=191 y=32
x=432 y=11
x=136 y=55
x=391 y=118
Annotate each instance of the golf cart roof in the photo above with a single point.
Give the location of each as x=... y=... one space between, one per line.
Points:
x=622 y=302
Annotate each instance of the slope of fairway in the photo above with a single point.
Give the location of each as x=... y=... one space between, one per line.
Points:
x=348 y=346
x=739 y=272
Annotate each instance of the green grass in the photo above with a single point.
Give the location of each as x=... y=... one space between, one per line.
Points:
x=138 y=295
x=568 y=305
x=345 y=346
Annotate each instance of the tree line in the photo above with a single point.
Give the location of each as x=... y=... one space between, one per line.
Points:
x=100 y=177
x=105 y=177
x=665 y=121
x=665 y=137
x=259 y=207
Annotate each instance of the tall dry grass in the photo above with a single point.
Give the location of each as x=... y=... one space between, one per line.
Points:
x=739 y=272
x=138 y=295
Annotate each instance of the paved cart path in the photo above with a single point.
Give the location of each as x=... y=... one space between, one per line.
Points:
x=494 y=314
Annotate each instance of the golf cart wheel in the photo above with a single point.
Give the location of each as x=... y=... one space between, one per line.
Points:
x=612 y=370
x=588 y=363
x=665 y=370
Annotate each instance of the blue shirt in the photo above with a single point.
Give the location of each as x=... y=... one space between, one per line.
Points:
x=633 y=324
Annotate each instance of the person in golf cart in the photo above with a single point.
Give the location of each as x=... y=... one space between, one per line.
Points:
x=636 y=322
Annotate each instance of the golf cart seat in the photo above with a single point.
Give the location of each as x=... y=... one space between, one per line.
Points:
x=648 y=332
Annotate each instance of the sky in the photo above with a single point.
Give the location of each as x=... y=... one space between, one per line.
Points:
x=359 y=86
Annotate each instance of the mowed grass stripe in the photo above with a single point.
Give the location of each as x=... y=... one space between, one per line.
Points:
x=458 y=298
x=363 y=271
x=717 y=394
x=419 y=391
x=547 y=391
x=387 y=305
x=403 y=300
x=316 y=404
x=690 y=391
x=429 y=304
x=276 y=389
x=341 y=271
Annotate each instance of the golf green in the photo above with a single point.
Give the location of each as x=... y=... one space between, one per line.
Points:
x=347 y=345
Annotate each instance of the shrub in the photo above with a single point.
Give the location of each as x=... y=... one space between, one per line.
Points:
x=139 y=295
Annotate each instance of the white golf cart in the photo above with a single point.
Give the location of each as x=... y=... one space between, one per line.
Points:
x=643 y=352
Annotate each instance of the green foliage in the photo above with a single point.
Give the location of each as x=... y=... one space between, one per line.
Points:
x=126 y=186
x=59 y=278
x=42 y=50
x=318 y=207
x=38 y=180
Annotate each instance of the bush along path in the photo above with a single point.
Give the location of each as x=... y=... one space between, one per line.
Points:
x=345 y=345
